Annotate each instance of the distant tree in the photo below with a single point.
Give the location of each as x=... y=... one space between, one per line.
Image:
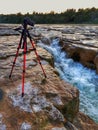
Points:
x=88 y=15
x=69 y=15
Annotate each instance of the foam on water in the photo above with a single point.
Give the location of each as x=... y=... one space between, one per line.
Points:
x=83 y=78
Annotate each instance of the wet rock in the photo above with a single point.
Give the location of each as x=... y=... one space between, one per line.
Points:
x=96 y=63
x=7 y=31
x=87 y=57
x=2 y=126
x=46 y=40
x=57 y=128
x=3 y=55
x=80 y=53
x=83 y=122
x=25 y=126
x=1 y=94
x=70 y=126
x=45 y=56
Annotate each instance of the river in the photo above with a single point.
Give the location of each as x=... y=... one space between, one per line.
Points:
x=79 y=76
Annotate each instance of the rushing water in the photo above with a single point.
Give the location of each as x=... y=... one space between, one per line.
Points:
x=83 y=78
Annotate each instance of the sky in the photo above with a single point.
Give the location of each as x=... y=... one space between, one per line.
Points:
x=28 y=6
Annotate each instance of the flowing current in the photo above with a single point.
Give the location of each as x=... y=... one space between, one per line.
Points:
x=79 y=76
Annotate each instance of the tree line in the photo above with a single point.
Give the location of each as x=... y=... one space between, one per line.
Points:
x=70 y=16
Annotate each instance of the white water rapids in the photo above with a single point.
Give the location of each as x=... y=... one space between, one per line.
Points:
x=81 y=77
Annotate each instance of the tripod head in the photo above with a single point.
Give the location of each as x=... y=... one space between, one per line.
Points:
x=27 y=21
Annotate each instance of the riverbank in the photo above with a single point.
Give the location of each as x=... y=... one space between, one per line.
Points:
x=49 y=103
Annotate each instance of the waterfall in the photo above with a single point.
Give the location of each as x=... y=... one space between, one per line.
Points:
x=79 y=76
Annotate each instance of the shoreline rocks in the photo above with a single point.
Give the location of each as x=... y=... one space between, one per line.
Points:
x=83 y=54
x=52 y=96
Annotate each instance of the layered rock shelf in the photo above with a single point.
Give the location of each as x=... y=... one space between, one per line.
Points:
x=51 y=103
x=80 y=43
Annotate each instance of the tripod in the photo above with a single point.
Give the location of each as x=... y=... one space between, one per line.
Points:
x=23 y=44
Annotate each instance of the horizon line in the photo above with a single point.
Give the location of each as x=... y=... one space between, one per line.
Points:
x=55 y=12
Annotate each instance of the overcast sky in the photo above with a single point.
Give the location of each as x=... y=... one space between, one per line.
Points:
x=24 y=6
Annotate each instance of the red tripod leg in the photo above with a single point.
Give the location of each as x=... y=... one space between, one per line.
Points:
x=38 y=58
x=24 y=68
x=15 y=60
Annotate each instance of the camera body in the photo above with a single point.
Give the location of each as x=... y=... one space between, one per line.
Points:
x=27 y=21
